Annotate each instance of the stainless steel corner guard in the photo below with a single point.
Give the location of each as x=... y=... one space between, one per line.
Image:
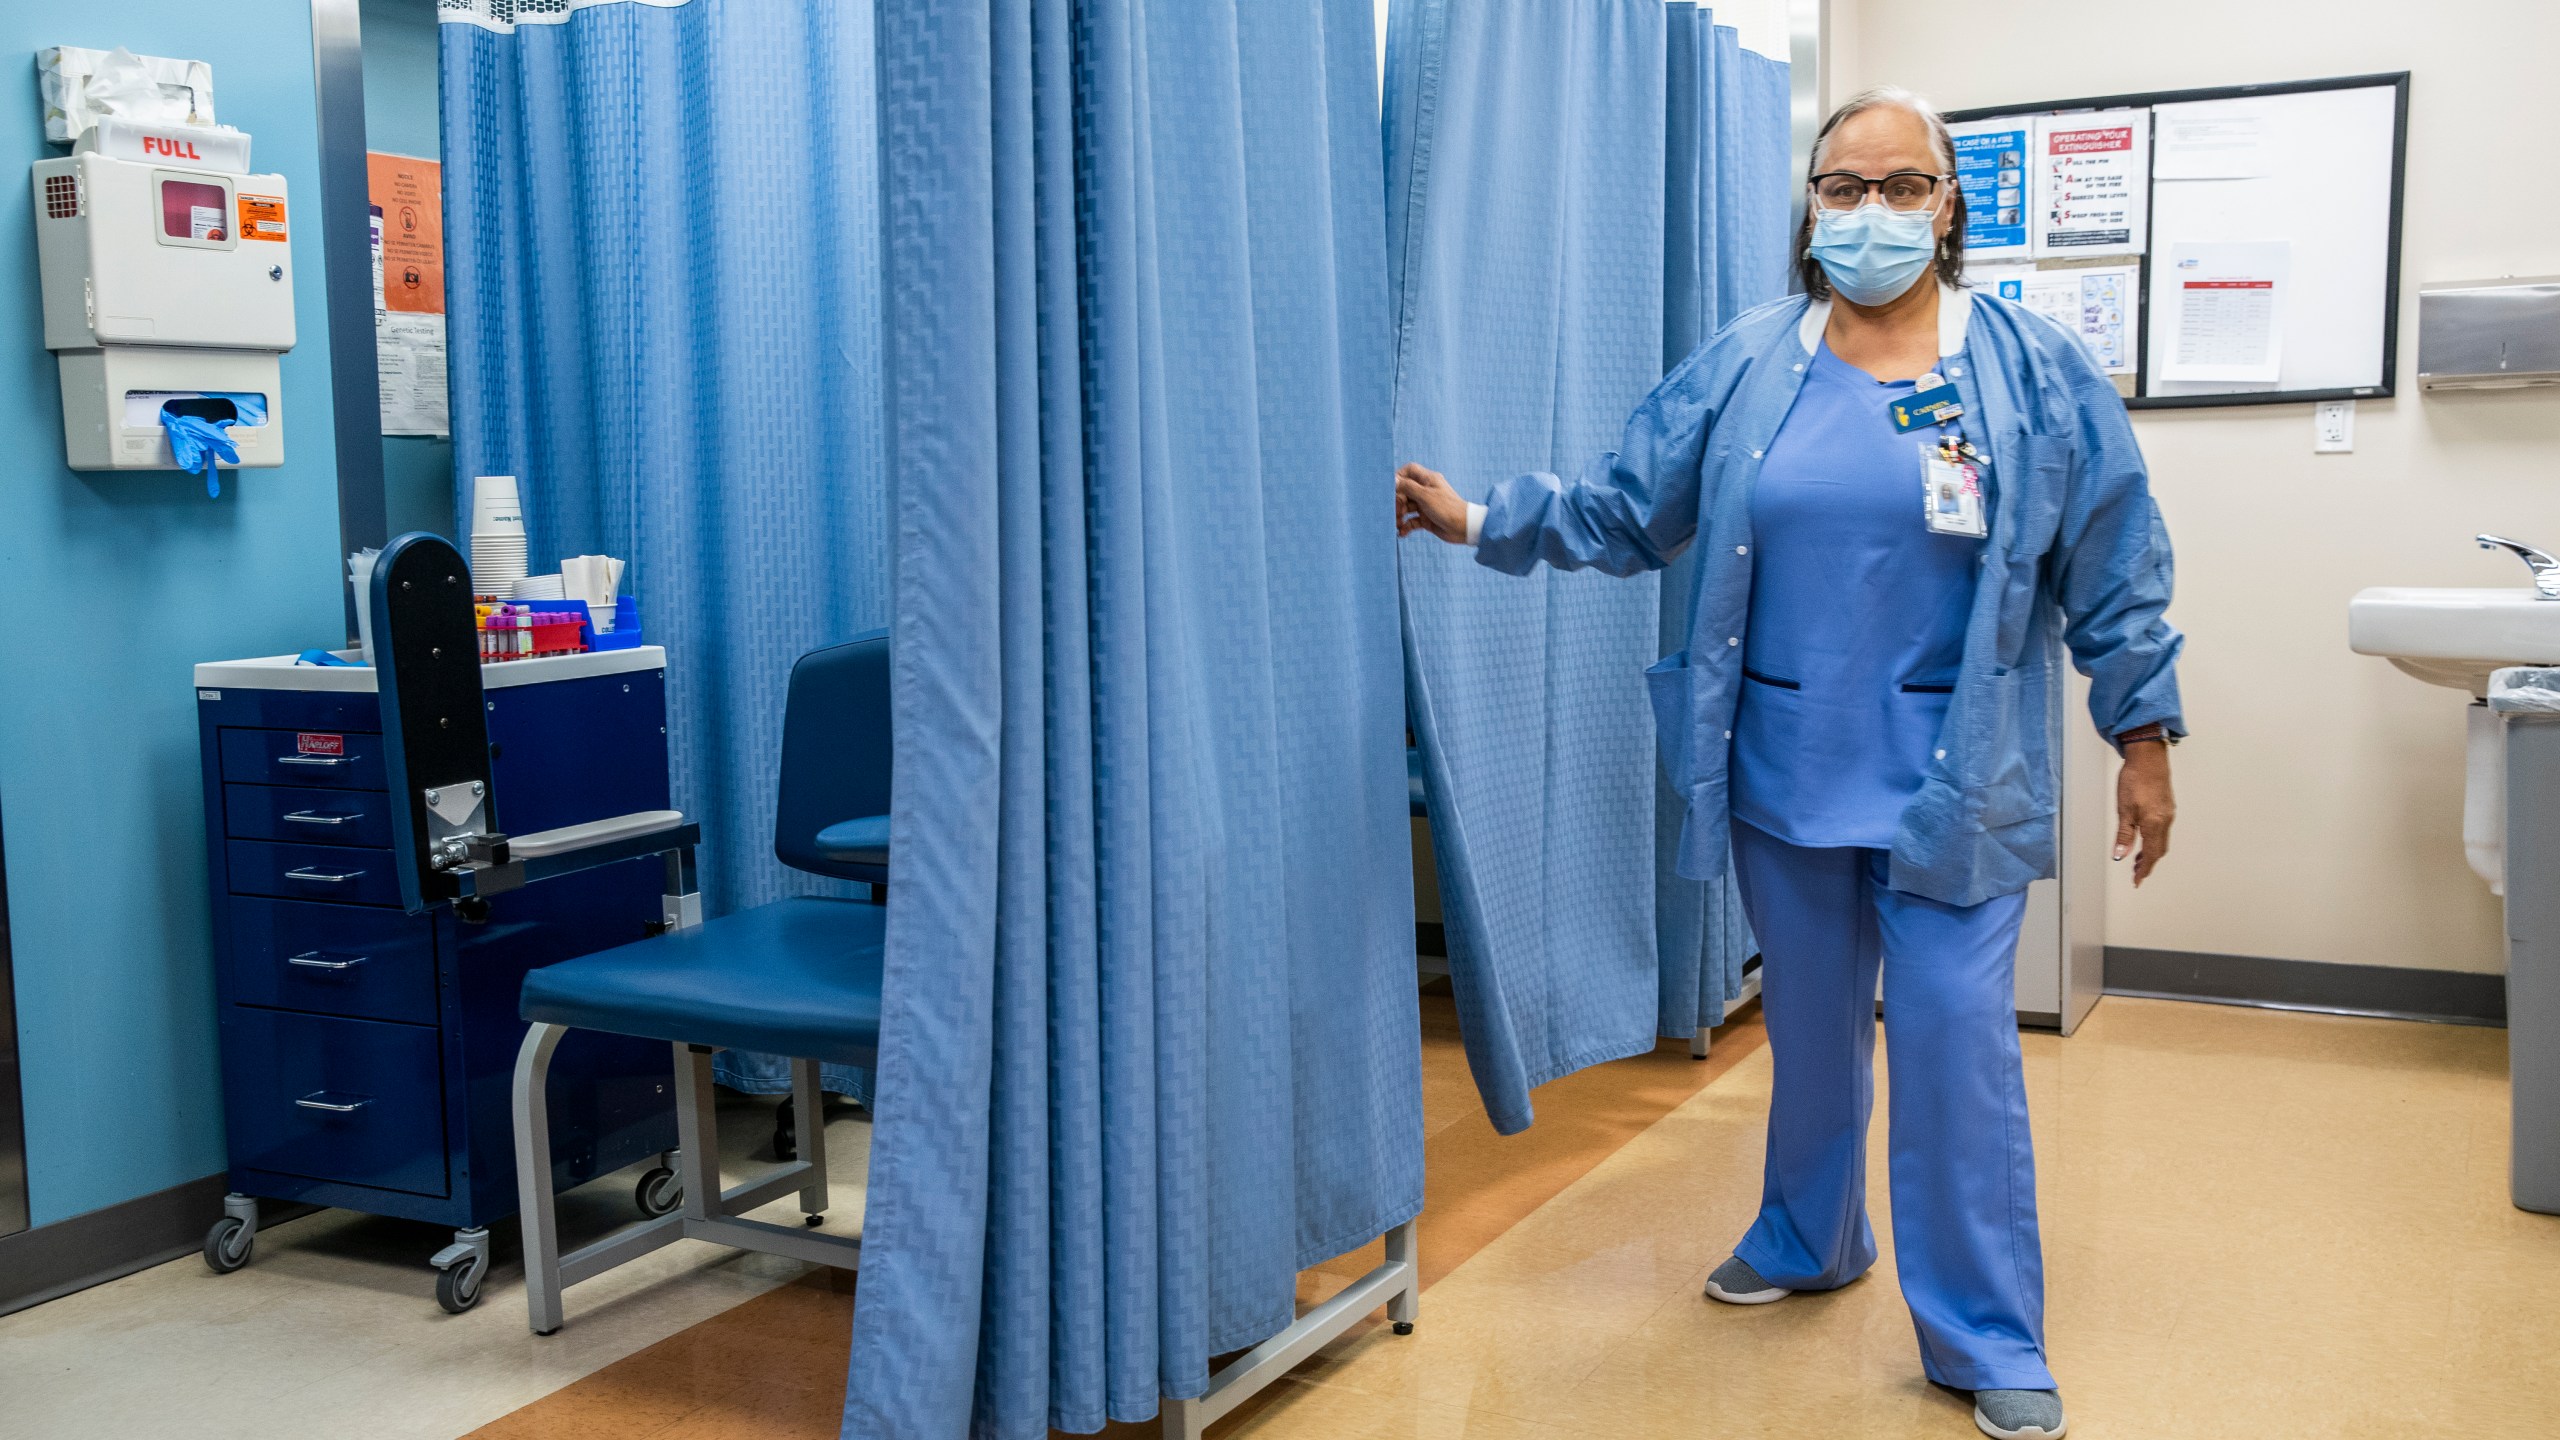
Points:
x=13 y=1135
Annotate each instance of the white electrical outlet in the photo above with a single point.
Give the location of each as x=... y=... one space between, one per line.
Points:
x=2333 y=427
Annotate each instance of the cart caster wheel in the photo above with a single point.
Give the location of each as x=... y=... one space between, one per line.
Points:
x=227 y=1244
x=1404 y=1327
x=786 y=1130
x=658 y=1193
x=458 y=1285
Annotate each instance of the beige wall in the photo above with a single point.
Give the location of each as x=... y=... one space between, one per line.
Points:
x=2320 y=801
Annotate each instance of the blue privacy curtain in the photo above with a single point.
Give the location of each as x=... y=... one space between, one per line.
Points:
x=1726 y=245
x=1149 y=1044
x=1569 y=202
x=664 y=284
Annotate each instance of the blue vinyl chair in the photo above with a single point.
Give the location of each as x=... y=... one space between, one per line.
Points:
x=834 y=815
x=798 y=977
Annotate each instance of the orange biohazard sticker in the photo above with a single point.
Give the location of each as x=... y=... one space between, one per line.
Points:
x=261 y=217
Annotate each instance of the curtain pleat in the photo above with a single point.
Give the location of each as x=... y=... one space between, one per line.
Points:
x=1149 y=1045
x=1552 y=260
x=1725 y=249
x=1528 y=263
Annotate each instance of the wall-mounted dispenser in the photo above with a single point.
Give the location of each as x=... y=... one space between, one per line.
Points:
x=2489 y=334
x=168 y=293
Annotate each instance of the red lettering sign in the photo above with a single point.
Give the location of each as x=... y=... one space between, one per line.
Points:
x=2083 y=142
x=174 y=149
x=305 y=743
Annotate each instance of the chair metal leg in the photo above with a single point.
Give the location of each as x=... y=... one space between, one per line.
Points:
x=809 y=1124
x=697 y=1132
x=534 y=1203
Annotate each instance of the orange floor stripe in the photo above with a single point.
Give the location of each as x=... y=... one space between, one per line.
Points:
x=773 y=1368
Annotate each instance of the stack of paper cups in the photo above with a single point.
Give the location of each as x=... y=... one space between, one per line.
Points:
x=497 y=536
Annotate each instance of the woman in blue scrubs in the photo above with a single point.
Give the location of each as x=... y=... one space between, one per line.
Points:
x=1913 y=500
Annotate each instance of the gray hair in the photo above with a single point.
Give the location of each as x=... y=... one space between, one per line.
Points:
x=1950 y=260
x=1877 y=98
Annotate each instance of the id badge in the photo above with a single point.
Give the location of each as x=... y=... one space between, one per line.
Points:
x=1931 y=404
x=1951 y=494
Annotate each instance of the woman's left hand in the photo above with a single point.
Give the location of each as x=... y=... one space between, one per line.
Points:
x=2144 y=806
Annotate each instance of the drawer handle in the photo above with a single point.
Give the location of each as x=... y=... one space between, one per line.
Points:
x=316 y=817
x=317 y=960
x=307 y=873
x=348 y=1106
x=311 y=759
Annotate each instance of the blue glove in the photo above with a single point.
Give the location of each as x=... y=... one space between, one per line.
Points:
x=198 y=443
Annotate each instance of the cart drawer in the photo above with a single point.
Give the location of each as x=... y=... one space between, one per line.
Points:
x=313 y=872
x=350 y=760
x=319 y=817
x=332 y=960
x=356 y=1101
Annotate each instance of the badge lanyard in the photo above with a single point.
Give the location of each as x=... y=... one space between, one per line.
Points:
x=1950 y=468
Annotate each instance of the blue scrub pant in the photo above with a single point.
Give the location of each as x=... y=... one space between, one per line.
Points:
x=1964 y=1183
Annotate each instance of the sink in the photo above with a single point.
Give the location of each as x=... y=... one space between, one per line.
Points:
x=2454 y=637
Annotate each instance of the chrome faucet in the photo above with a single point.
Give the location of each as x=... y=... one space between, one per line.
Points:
x=2546 y=571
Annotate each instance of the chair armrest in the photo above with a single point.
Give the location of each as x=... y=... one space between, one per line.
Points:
x=547 y=854
x=542 y=844
x=857 y=842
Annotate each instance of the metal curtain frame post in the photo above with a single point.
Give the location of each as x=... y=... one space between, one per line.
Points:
x=1809 y=93
x=1702 y=1042
x=1396 y=1284
x=346 y=247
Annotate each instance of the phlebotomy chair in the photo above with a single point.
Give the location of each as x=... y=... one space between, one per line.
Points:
x=798 y=977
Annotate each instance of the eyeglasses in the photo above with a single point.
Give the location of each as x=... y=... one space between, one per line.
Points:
x=1901 y=190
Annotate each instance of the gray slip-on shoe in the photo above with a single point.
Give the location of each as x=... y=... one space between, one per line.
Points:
x=2020 y=1414
x=1735 y=1283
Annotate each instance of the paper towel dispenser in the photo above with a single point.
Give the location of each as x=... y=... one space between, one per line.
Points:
x=2489 y=334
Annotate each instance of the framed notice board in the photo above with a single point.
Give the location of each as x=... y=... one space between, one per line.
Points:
x=2232 y=246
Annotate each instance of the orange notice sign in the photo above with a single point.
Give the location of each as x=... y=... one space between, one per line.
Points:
x=261 y=217
x=409 y=195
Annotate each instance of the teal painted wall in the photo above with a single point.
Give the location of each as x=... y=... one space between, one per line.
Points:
x=403 y=116
x=113 y=585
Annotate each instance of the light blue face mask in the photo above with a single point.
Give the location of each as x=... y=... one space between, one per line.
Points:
x=1873 y=254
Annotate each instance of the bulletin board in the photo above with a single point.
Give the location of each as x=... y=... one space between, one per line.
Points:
x=2232 y=246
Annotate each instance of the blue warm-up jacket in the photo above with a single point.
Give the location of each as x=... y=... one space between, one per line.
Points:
x=2076 y=558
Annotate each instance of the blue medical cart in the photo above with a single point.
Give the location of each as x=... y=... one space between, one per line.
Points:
x=367 y=1052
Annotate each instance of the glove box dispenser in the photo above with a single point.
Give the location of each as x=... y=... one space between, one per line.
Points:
x=112 y=401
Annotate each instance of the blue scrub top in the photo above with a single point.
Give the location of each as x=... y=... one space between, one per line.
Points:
x=1857 y=619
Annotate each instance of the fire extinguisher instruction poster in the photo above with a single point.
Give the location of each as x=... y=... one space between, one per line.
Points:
x=408 y=292
x=2092 y=183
